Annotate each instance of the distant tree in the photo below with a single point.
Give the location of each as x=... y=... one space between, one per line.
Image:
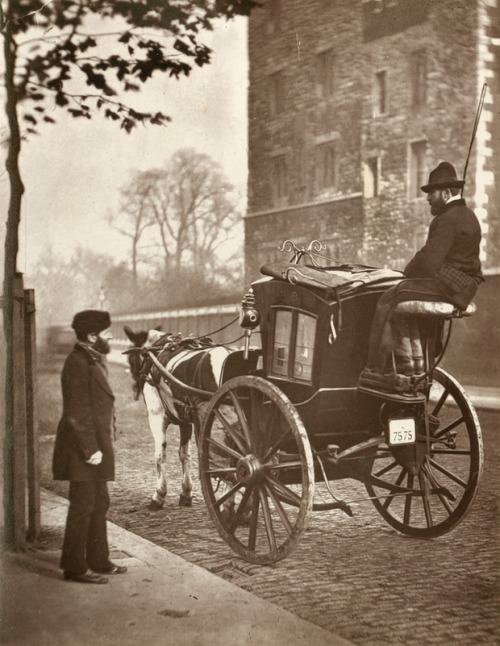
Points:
x=194 y=210
x=135 y=214
x=189 y=209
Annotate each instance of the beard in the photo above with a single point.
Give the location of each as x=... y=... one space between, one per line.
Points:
x=102 y=346
x=437 y=206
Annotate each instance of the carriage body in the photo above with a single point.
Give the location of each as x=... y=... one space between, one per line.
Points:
x=314 y=348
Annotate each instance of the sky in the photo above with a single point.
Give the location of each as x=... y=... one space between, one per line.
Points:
x=73 y=170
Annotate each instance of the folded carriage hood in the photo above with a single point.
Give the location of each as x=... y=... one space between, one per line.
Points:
x=331 y=280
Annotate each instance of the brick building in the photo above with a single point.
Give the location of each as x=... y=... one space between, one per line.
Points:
x=351 y=104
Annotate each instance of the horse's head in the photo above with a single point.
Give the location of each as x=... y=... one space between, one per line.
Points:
x=136 y=360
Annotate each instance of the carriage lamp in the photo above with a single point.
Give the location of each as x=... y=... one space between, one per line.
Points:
x=249 y=318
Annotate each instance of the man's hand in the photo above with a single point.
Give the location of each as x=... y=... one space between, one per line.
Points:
x=95 y=459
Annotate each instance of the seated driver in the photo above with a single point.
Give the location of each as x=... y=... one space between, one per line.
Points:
x=447 y=268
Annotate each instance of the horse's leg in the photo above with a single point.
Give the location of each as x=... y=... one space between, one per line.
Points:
x=186 y=497
x=158 y=423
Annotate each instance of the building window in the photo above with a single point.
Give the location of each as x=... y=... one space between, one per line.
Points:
x=277 y=93
x=417 y=168
x=418 y=73
x=326 y=169
x=279 y=177
x=371 y=177
x=379 y=94
x=325 y=74
x=274 y=16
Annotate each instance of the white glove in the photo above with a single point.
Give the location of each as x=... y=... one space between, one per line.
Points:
x=95 y=459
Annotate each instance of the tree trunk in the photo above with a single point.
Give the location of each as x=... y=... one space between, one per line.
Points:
x=11 y=250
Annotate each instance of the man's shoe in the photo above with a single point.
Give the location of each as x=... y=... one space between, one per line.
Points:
x=85 y=577
x=111 y=568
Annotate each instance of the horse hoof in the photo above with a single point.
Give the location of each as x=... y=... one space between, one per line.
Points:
x=154 y=506
x=185 y=501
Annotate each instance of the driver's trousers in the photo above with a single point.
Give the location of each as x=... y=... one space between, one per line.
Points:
x=391 y=334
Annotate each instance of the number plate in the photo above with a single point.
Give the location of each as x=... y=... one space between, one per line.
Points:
x=402 y=431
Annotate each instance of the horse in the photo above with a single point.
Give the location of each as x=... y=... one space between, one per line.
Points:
x=196 y=362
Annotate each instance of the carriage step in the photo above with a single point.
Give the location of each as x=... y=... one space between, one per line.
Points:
x=391 y=384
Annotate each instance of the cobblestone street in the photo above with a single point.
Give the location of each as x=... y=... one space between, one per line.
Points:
x=353 y=576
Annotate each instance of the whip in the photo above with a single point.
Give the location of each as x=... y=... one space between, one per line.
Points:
x=474 y=129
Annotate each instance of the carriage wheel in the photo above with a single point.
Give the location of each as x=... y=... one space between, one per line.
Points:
x=442 y=490
x=256 y=469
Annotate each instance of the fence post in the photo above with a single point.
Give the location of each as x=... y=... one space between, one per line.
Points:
x=16 y=444
x=33 y=459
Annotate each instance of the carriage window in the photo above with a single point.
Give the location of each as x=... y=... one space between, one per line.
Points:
x=304 y=347
x=293 y=345
x=281 y=349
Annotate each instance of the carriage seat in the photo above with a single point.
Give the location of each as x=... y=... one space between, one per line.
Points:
x=434 y=308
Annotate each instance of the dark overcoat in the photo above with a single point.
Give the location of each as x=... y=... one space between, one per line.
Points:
x=87 y=421
x=454 y=238
x=451 y=254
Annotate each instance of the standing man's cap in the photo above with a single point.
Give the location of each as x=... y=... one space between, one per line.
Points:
x=444 y=176
x=91 y=321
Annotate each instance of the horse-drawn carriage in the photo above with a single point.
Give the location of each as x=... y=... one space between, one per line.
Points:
x=291 y=414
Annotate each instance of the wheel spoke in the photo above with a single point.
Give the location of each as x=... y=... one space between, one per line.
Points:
x=448 y=473
x=290 y=496
x=435 y=485
x=242 y=418
x=225 y=449
x=399 y=480
x=240 y=511
x=279 y=508
x=268 y=521
x=220 y=471
x=285 y=465
x=229 y=494
x=270 y=421
x=275 y=446
x=231 y=431
x=408 y=501
x=252 y=534
x=386 y=469
x=448 y=428
x=424 y=487
x=440 y=402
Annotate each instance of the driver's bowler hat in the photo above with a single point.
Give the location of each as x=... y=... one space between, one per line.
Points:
x=444 y=176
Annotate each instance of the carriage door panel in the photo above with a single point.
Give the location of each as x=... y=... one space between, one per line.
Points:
x=293 y=343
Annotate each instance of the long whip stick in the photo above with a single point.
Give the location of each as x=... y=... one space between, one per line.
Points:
x=474 y=129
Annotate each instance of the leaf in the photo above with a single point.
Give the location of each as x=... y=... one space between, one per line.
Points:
x=30 y=119
x=87 y=43
x=128 y=124
x=49 y=119
x=111 y=115
x=61 y=99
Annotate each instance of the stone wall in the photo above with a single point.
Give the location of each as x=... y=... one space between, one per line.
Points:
x=292 y=118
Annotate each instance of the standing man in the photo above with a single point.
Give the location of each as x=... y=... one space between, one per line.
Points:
x=83 y=451
x=447 y=268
